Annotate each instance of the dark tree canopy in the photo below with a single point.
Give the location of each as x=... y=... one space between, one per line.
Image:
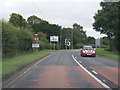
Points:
x=17 y=20
x=107 y=21
x=33 y=19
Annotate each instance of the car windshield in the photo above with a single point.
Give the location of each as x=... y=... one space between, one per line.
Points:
x=87 y=48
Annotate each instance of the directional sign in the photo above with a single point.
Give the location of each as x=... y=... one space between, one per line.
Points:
x=53 y=38
x=67 y=42
x=35 y=45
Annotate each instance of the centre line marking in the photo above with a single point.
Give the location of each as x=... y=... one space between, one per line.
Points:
x=98 y=80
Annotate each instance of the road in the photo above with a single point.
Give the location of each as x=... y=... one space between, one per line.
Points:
x=67 y=69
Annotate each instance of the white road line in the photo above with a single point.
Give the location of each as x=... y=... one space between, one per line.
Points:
x=94 y=72
x=104 y=81
x=80 y=61
x=98 y=80
x=26 y=71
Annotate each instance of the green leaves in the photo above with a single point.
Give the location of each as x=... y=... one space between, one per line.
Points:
x=17 y=20
x=107 y=21
x=15 y=40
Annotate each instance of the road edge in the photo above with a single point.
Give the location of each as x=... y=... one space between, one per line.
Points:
x=98 y=80
x=6 y=83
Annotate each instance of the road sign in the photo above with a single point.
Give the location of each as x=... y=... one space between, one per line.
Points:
x=98 y=42
x=67 y=42
x=36 y=38
x=35 y=45
x=54 y=39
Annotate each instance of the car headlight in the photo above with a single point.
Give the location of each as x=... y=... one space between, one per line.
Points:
x=83 y=51
x=93 y=51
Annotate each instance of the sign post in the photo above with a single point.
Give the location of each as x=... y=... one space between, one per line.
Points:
x=54 y=39
x=36 y=45
x=67 y=43
x=97 y=42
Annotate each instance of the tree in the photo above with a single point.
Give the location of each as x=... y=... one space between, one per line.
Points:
x=17 y=20
x=79 y=36
x=9 y=39
x=15 y=40
x=90 y=40
x=77 y=26
x=33 y=19
x=105 y=42
x=107 y=21
x=44 y=26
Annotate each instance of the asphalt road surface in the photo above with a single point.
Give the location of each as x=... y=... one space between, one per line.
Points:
x=67 y=69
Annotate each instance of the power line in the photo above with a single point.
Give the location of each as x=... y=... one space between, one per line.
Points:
x=34 y=4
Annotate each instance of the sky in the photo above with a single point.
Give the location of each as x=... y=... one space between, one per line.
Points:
x=62 y=12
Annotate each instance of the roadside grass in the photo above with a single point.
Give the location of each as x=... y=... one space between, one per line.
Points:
x=13 y=64
x=109 y=54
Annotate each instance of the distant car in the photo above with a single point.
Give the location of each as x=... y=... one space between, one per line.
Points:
x=88 y=51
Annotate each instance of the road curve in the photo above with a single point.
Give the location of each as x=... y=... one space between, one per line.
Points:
x=60 y=71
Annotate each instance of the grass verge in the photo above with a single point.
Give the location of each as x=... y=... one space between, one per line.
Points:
x=13 y=64
x=109 y=54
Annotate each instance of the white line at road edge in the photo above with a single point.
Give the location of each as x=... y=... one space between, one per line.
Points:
x=98 y=80
x=26 y=71
x=94 y=72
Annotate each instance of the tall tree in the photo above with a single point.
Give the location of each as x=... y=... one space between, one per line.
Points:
x=17 y=20
x=90 y=40
x=33 y=19
x=107 y=21
x=77 y=26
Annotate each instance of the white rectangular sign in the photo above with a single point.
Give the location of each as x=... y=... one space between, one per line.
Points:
x=98 y=42
x=35 y=45
x=54 y=39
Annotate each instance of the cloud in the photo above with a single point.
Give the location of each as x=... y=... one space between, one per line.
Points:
x=62 y=12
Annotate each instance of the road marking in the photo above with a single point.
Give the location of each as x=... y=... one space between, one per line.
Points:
x=94 y=72
x=75 y=57
x=98 y=80
x=104 y=81
x=26 y=71
x=80 y=61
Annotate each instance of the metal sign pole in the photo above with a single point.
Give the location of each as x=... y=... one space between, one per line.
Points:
x=54 y=45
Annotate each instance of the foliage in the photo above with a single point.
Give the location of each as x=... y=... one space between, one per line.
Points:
x=105 y=42
x=77 y=26
x=79 y=36
x=15 y=40
x=44 y=26
x=44 y=43
x=17 y=20
x=107 y=21
x=90 y=40
x=33 y=19
x=18 y=35
x=10 y=39
x=25 y=40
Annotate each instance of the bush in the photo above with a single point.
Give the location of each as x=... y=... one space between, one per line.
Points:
x=15 y=40
x=9 y=39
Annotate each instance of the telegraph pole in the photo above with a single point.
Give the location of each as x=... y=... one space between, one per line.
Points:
x=72 y=37
x=61 y=39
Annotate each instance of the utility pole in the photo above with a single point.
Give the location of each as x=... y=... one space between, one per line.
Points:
x=61 y=39
x=72 y=37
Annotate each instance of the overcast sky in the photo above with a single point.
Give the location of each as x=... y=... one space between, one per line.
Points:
x=61 y=12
